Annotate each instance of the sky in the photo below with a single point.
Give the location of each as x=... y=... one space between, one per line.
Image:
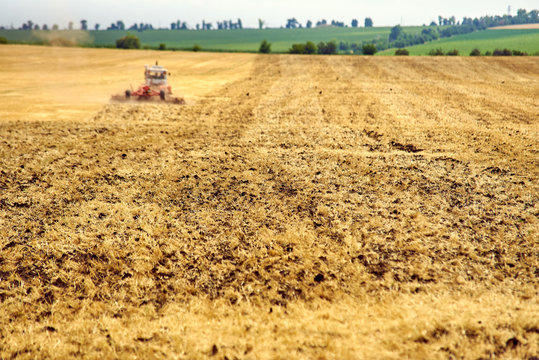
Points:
x=160 y=13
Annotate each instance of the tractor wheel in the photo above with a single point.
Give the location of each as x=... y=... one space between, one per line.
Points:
x=162 y=95
x=127 y=94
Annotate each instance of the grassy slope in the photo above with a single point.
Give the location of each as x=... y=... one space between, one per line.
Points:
x=523 y=40
x=239 y=40
x=282 y=39
x=248 y=39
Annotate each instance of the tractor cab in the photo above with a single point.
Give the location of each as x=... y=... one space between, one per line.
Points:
x=155 y=75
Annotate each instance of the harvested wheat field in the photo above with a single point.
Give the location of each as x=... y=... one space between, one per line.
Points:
x=518 y=27
x=298 y=207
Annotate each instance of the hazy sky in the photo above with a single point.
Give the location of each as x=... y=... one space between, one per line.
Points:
x=274 y=12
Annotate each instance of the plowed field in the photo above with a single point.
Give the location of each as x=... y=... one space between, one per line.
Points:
x=297 y=207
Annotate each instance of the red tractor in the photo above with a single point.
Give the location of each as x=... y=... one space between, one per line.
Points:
x=155 y=84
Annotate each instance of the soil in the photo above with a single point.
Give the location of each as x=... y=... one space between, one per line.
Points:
x=516 y=27
x=296 y=207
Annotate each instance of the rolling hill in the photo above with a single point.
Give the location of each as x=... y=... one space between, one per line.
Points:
x=526 y=40
x=245 y=40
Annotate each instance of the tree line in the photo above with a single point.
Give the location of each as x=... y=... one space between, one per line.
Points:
x=120 y=25
x=450 y=24
x=293 y=23
x=323 y=48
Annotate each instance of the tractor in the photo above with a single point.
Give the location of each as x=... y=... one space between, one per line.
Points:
x=155 y=85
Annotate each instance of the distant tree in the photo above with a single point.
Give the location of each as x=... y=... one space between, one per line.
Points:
x=84 y=25
x=240 y=24
x=309 y=24
x=395 y=33
x=120 y=25
x=504 y=52
x=331 y=47
x=440 y=20
x=128 y=42
x=322 y=22
x=196 y=48
x=45 y=27
x=261 y=24
x=344 y=46
x=522 y=13
x=178 y=25
x=96 y=27
x=162 y=46
x=55 y=27
x=327 y=48
x=28 y=26
x=432 y=23
x=453 y=52
x=475 y=52
x=430 y=34
x=402 y=52
x=3 y=40
x=310 y=47
x=369 y=49
x=297 y=49
x=354 y=23
x=135 y=27
x=292 y=23
x=70 y=25
x=436 y=52
x=337 y=23
x=36 y=27
x=265 y=47
x=368 y=22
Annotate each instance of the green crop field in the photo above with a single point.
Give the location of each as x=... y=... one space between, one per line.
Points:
x=523 y=40
x=248 y=40
x=219 y=40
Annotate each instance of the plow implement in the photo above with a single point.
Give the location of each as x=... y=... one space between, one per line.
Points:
x=155 y=88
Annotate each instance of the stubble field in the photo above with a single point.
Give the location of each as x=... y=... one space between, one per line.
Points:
x=296 y=207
